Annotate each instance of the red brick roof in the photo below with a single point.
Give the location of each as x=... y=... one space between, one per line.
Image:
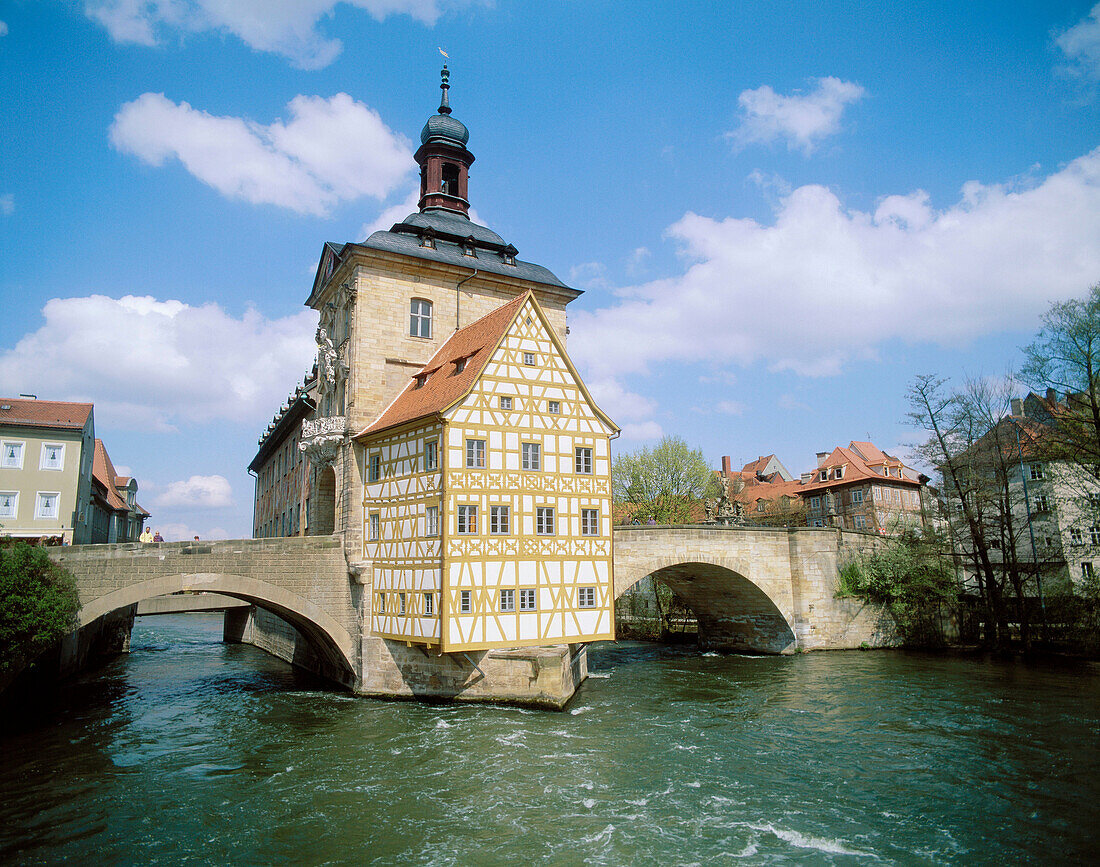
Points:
x=103 y=471
x=855 y=469
x=44 y=413
x=443 y=382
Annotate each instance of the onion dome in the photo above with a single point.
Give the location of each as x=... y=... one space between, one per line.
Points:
x=443 y=127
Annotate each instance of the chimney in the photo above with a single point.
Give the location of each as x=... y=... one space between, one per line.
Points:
x=1052 y=396
x=821 y=457
x=1017 y=407
x=726 y=468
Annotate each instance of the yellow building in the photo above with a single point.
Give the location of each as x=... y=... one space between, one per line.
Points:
x=488 y=494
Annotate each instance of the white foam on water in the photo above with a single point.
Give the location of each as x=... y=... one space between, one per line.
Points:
x=443 y=724
x=579 y=710
x=711 y=653
x=589 y=802
x=640 y=802
x=747 y=852
x=693 y=785
x=599 y=676
x=603 y=837
x=808 y=841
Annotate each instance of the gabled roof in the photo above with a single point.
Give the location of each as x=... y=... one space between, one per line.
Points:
x=855 y=469
x=758 y=465
x=443 y=382
x=103 y=471
x=44 y=413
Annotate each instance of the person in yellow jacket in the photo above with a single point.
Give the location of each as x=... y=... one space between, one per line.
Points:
x=146 y=535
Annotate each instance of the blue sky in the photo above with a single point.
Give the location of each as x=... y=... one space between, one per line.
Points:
x=780 y=212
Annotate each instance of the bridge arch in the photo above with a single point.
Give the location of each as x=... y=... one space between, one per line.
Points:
x=331 y=641
x=733 y=611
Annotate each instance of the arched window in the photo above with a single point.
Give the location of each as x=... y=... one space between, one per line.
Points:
x=450 y=179
x=420 y=318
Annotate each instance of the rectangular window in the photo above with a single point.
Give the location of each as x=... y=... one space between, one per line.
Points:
x=400 y=603
x=1076 y=536
x=375 y=527
x=1041 y=504
x=11 y=458
x=586 y=597
x=815 y=502
x=526 y=600
x=506 y=403
x=431 y=522
x=46 y=504
x=420 y=318
x=1086 y=570
x=507 y=600
x=381 y=603
x=375 y=468
x=584 y=461
x=1094 y=535
x=429 y=604
x=860 y=522
x=1036 y=471
x=528 y=358
x=465 y=603
x=1094 y=500
x=498 y=521
x=9 y=504
x=857 y=498
x=475 y=453
x=467 y=520
x=590 y=522
x=838 y=473
x=53 y=457
x=431 y=455
x=544 y=521
x=553 y=407
x=824 y=475
x=532 y=456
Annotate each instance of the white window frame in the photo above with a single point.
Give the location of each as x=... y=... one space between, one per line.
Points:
x=382 y=603
x=590 y=522
x=1094 y=535
x=420 y=318
x=375 y=527
x=815 y=502
x=508 y=600
x=466 y=520
x=553 y=407
x=44 y=464
x=431 y=455
x=429 y=605
x=500 y=520
x=1036 y=472
x=505 y=402
x=1076 y=536
x=16 y=463
x=431 y=521
x=527 y=600
x=475 y=454
x=42 y=515
x=1086 y=570
x=532 y=457
x=582 y=462
x=859 y=522
x=544 y=520
x=374 y=474
x=586 y=597
x=465 y=602
x=857 y=498
x=12 y=510
x=401 y=603
x=529 y=358
x=1042 y=504
x=824 y=475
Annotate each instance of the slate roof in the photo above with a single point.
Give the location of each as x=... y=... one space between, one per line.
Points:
x=44 y=413
x=443 y=381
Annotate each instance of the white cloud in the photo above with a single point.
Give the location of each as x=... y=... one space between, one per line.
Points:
x=3 y=28
x=7 y=203
x=646 y=430
x=824 y=284
x=206 y=492
x=589 y=275
x=331 y=150
x=1081 y=44
x=800 y=119
x=285 y=28
x=153 y=365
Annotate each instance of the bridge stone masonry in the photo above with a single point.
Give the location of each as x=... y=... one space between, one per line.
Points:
x=753 y=589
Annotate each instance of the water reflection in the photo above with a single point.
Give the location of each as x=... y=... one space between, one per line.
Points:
x=190 y=749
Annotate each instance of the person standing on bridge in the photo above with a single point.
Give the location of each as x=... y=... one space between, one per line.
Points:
x=158 y=537
x=146 y=536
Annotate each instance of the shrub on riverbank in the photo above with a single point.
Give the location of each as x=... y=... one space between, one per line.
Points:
x=913 y=580
x=38 y=605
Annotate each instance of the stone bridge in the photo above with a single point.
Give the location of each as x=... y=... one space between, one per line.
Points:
x=303 y=580
x=757 y=589
x=751 y=588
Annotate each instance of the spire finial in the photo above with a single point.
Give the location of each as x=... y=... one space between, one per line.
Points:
x=445 y=75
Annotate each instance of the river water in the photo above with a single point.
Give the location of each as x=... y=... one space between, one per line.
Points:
x=192 y=751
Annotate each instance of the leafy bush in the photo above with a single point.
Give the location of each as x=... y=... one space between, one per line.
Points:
x=38 y=604
x=912 y=579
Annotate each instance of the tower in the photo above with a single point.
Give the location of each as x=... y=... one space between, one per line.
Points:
x=443 y=158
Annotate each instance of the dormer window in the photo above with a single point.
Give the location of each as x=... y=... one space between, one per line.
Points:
x=824 y=475
x=427 y=238
x=460 y=365
x=419 y=380
x=508 y=255
x=468 y=247
x=838 y=473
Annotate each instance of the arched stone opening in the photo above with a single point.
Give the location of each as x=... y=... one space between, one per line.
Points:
x=330 y=644
x=322 y=520
x=732 y=612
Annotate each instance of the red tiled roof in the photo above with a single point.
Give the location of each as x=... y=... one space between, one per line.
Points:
x=758 y=465
x=103 y=471
x=44 y=413
x=443 y=382
x=855 y=469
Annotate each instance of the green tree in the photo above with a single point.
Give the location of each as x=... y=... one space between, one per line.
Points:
x=912 y=576
x=38 y=605
x=666 y=482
